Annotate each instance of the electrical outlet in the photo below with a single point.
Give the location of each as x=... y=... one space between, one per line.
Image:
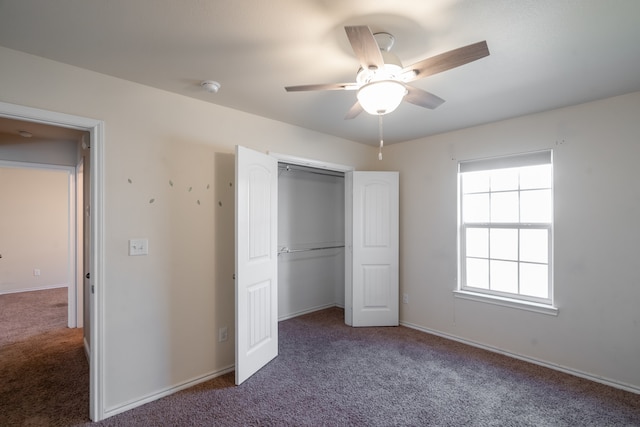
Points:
x=222 y=334
x=36 y=271
x=405 y=298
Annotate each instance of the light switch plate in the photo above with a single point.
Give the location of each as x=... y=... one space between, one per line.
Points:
x=138 y=247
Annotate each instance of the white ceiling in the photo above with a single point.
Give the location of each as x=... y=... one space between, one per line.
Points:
x=545 y=54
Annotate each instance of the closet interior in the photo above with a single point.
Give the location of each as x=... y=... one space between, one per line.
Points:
x=311 y=239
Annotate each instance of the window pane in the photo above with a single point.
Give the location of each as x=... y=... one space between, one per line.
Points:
x=506 y=214
x=534 y=245
x=478 y=273
x=535 y=177
x=504 y=243
x=504 y=207
x=504 y=276
x=476 y=208
x=477 y=242
x=504 y=179
x=475 y=182
x=535 y=206
x=534 y=280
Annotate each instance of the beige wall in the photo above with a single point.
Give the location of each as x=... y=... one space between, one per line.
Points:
x=34 y=229
x=597 y=206
x=162 y=311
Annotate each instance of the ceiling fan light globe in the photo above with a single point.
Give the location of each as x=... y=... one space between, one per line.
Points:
x=381 y=97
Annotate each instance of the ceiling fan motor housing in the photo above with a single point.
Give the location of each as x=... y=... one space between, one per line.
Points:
x=392 y=68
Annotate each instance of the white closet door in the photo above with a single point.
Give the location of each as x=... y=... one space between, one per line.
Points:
x=373 y=290
x=256 y=261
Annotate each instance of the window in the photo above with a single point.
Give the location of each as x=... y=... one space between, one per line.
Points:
x=506 y=218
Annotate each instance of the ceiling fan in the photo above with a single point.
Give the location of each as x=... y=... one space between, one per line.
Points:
x=381 y=81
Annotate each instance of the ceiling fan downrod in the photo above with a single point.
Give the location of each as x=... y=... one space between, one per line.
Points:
x=380 y=132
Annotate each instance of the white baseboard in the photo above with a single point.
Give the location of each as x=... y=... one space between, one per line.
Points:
x=307 y=311
x=109 y=412
x=565 y=369
x=39 y=288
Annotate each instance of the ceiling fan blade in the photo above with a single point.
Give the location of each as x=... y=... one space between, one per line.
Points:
x=365 y=46
x=328 y=86
x=354 y=111
x=422 y=98
x=446 y=61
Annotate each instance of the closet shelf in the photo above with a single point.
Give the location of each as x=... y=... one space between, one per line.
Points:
x=286 y=250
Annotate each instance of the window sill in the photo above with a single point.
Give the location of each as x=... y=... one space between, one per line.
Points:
x=507 y=302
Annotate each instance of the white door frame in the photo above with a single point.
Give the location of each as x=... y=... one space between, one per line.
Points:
x=79 y=242
x=73 y=311
x=348 y=218
x=334 y=167
x=301 y=161
x=96 y=309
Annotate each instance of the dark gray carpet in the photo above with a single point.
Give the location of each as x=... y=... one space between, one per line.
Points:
x=328 y=374
x=44 y=374
x=27 y=314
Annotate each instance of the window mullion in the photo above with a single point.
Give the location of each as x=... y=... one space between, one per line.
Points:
x=518 y=287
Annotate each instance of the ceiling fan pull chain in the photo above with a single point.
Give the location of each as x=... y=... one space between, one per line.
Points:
x=380 y=131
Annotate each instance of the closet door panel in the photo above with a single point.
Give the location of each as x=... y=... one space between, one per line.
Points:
x=374 y=242
x=256 y=261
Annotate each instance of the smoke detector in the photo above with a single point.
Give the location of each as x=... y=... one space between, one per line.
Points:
x=210 y=86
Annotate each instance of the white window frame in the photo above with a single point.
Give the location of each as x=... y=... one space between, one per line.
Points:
x=543 y=305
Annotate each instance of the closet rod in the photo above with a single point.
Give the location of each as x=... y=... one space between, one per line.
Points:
x=309 y=169
x=286 y=250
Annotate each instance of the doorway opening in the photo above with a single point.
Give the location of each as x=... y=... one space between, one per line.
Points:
x=311 y=239
x=93 y=188
x=38 y=231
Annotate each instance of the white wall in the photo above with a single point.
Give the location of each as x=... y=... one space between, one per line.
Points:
x=310 y=214
x=34 y=229
x=168 y=171
x=597 y=206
